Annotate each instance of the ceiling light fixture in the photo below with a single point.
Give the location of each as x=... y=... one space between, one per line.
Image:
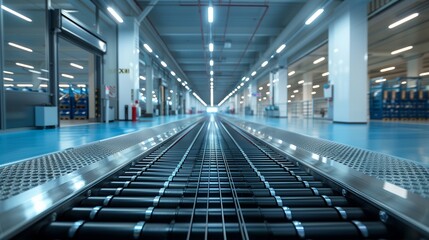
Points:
x=404 y=82
x=24 y=85
x=63 y=85
x=316 y=86
x=313 y=93
x=253 y=73
x=76 y=65
x=115 y=15
x=211 y=79
x=288 y=86
x=142 y=78
x=163 y=64
x=173 y=73
x=24 y=65
x=20 y=47
x=34 y=71
x=280 y=49
x=380 y=80
x=424 y=74
x=67 y=76
x=319 y=60
x=325 y=74
x=8 y=79
x=211 y=72
x=16 y=13
x=387 y=69
x=210 y=14
x=402 y=50
x=43 y=79
x=296 y=91
x=81 y=85
x=211 y=62
x=179 y=80
x=291 y=73
x=301 y=82
x=247 y=79
x=211 y=47
x=314 y=16
x=8 y=72
x=264 y=64
x=405 y=19
x=148 y=48
x=292 y=96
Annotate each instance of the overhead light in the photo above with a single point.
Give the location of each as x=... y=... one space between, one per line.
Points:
x=67 y=76
x=8 y=79
x=76 y=65
x=34 y=71
x=313 y=93
x=43 y=85
x=325 y=74
x=402 y=50
x=380 y=80
x=163 y=64
x=211 y=83
x=8 y=85
x=280 y=49
x=253 y=73
x=179 y=80
x=316 y=86
x=296 y=91
x=211 y=79
x=264 y=64
x=211 y=62
x=265 y=98
x=244 y=78
x=211 y=47
x=16 y=13
x=210 y=14
x=183 y=84
x=291 y=73
x=404 y=82
x=260 y=88
x=63 y=85
x=405 y=19
x=24 y=65
x=314 y=16
x=148 y=48
x=424 y=74
x=247 y=79
x=211 y=72
x=171 y=91
x=81 y=85
x=173 y=73
x=387 y=69
x=241 y=84
x=8 y=72
x=292 y=96
x=238 y=87
x=20 y=47
x=268 y=93
x=43 y=79
x=24 y=85
x=44 y=70
x=268 y=84
x=142 y=78
x=288 y=86
x=115 y=15
x=301 y=82
x=319 y=60
x=289 y=101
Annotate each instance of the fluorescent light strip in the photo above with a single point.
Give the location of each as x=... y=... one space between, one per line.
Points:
x=76 y=65
x=44 y=70
x=24 y=85
x=211 y=62
x=316 y=86
x=314 y=16
x=173 y=73
x=43 y=79
x=313 y=93
x=404 y=82
x=319 y=60
x=211 y=97
x=115 y=15
x=210 y=14
x=8 y=85
x=288 y=86
x=24 y=65
x=423 y=74
x=67 y=76
x=8 y=72
x=81 y=85
x=8 y=79
x=163 y=64
x=247 y=79
x=142 y=78
x=301 y=82
x=179 y=80
x=148 y=48
x=241 y=84
x=16 y=13
x=380 y=80
x=34 y=71
x=63 y=85
x=211 y=73
x=264 y=64
x=402 y=50
x=280 y=49
x=325 y=74
x=20 y=47
x=211 y=47
x=296 y=91
x=291 y=73
x=387 y=69
x=406 y=19
x=43 y=85
x=253 y=73
x=292 y=96
x=211 y=79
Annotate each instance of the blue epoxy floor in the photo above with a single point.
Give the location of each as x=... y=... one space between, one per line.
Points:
x=18 y=145
x=405 y=140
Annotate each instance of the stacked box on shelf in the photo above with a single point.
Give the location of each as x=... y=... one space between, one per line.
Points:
x=65 y=107
x=81 y=108
x=420 y=105
x=376 y=102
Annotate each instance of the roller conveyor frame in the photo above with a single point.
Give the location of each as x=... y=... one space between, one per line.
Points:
x=180 y=188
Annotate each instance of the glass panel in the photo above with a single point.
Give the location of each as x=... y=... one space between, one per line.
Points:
x=81 y=11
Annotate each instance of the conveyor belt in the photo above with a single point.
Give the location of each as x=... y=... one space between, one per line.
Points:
x=214 y=183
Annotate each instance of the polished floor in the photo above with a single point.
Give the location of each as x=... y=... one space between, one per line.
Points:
x=23 y=144
x=409 y=140
x=404 y=140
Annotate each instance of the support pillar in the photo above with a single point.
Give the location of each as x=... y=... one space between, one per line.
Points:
x=128 y=64
x=253 y=99
x=149 y=89
x=280 y=92
x=348 y=60
x=414 y=67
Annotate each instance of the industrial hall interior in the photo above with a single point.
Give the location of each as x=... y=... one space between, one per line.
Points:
x=214 y=119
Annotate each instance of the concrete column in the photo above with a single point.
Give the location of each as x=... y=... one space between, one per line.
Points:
x=414 y=66
x=187 y=102
x=253 y=99
x=307 y=86
x=348 y=60
x=273 y=76
x=128 y=63
x=149 y=89
x=236 y=103
x=280 y=92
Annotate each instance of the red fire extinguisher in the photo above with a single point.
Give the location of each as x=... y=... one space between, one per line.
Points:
x=134 y=112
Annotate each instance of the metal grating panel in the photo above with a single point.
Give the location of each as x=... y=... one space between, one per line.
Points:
x=22 y=176
x=401 y=172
